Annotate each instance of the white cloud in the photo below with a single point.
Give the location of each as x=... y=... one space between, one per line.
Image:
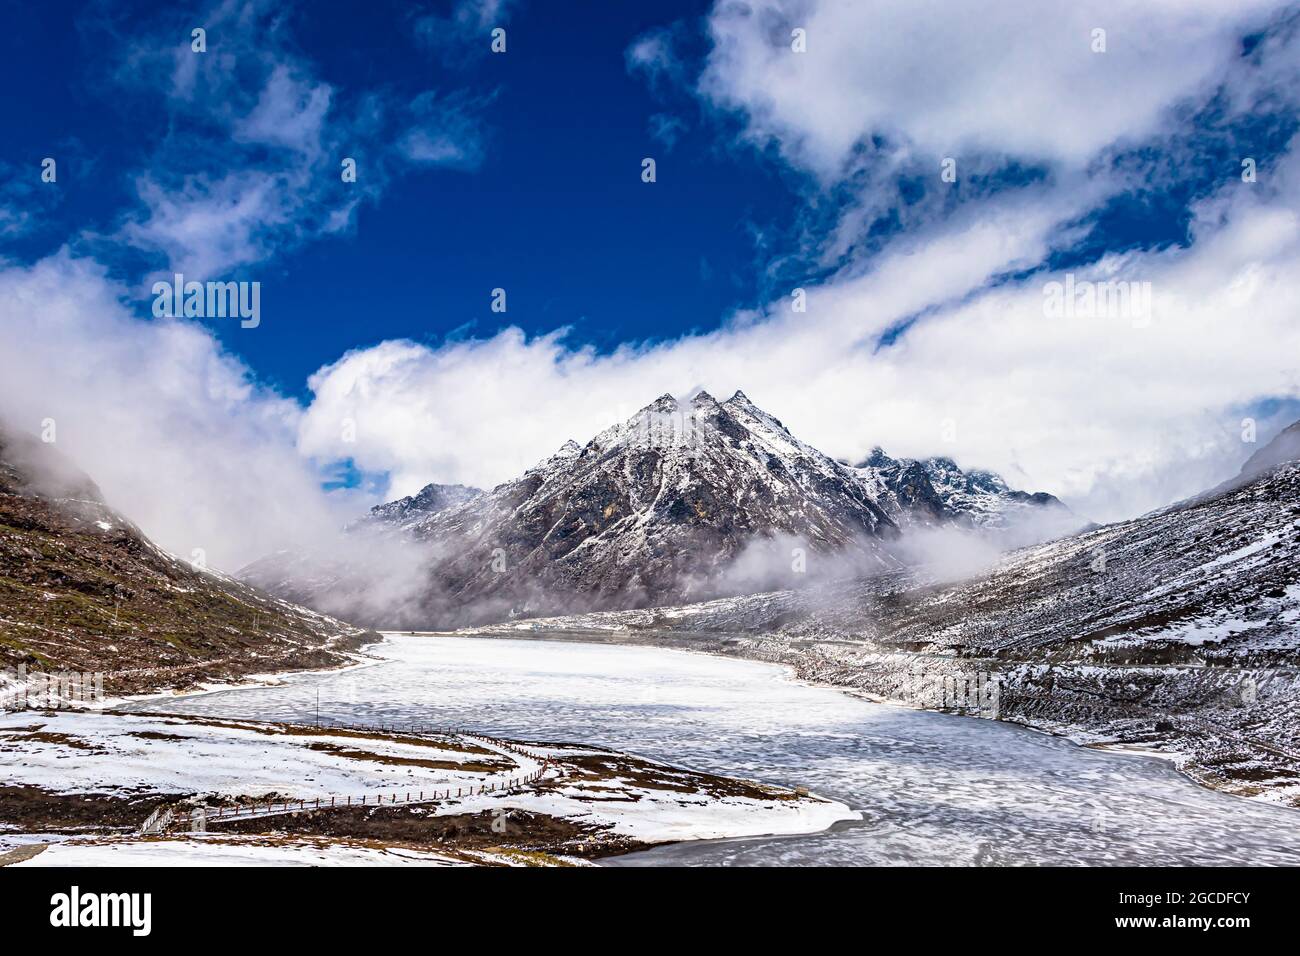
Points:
x=465 y=31
x=264 y=136
x=442 y=131
x=1116 y=415
x=207 y=227
x=653 y=55
x=1015 y=78
x=176 y=432
x=290 y=112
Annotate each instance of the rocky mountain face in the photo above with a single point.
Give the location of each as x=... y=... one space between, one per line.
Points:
x=935 y=492
x=683 y=500
x=81 y=588
x=406 y=513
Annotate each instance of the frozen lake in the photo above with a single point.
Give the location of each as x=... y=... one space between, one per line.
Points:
x=936 y=789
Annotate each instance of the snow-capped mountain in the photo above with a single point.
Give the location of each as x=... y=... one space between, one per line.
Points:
x=405 y=513
x=933 y=492
x=684 y=499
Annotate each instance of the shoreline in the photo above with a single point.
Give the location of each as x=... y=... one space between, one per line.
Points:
x=553 y=827
x=1079 y=735
x=252 y=682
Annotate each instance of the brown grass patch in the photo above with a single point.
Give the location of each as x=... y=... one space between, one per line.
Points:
x=479 y=766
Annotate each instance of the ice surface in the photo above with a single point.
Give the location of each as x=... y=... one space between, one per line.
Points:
x=936 y=789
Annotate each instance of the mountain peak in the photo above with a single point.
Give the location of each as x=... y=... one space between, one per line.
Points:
x=565 y=453
x=665 y=505
x=935 y=491
x=430 y=499
x=664 y=403
x=877 y=459
x=941 y=463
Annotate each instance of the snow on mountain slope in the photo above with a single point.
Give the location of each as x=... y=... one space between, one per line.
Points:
x=404 y=513
x=935 y=492
x=684 y=499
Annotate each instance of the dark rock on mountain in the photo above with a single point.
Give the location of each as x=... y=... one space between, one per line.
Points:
x=412 y=509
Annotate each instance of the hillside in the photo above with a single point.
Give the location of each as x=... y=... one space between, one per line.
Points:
x=82 y=588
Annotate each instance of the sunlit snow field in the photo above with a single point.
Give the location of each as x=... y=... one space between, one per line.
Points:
x=935 y=789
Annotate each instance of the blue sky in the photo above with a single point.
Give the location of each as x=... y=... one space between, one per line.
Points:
x=554 y=212
x=378 y=364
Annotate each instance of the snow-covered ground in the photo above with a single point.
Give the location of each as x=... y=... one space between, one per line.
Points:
x=71 y=752
x=934 y=789
x=214 y=761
